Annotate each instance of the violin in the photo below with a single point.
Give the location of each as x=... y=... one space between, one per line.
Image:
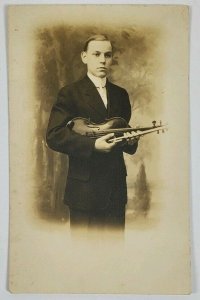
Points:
x=116 y=125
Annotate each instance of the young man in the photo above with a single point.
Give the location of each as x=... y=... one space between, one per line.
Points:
x=96 y=190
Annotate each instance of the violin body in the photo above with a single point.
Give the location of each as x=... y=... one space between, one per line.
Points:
x=85 y=127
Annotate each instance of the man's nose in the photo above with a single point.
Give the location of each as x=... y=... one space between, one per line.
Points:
x=102 y=58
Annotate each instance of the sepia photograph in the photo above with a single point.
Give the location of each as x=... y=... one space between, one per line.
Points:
x=99 y=149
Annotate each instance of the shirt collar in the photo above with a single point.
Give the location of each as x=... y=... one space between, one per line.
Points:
x=98 y=82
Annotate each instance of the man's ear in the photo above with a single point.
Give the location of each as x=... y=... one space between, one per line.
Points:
x=84 y=57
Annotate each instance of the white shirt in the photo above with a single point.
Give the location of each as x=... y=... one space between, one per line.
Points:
x=100 y=84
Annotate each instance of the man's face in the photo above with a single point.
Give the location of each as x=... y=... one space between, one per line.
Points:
x=98 y=58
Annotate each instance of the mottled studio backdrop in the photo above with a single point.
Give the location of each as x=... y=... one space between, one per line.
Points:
x=58 y=64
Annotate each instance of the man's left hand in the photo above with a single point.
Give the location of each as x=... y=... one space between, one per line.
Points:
x=131 y=138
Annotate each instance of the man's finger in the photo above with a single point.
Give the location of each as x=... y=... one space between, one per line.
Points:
x=107 y=136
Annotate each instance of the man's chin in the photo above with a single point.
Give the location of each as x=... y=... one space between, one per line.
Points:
x=101 y=74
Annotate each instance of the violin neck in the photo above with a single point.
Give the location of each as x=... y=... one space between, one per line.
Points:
x=138 y=131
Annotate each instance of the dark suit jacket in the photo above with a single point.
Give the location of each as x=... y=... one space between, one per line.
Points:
x=92 y=176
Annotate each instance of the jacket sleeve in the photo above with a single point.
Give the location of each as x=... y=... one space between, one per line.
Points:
x=59 y=137
x=130 y=149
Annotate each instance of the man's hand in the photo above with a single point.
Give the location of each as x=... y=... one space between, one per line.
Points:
x=131 y=138
x=102 y=144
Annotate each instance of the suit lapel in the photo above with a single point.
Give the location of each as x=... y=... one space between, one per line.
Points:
x=92 y=98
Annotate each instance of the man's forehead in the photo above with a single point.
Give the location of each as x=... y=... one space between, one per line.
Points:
x=102 y=46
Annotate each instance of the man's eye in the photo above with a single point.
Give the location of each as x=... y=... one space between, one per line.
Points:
x=96 y=54
x=108 y=55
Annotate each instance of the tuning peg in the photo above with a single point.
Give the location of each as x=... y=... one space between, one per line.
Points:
x=154 y=123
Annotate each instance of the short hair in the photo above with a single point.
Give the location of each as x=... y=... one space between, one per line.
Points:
x=96 y=37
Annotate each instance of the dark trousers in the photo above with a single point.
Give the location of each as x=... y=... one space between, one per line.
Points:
x=111 y=217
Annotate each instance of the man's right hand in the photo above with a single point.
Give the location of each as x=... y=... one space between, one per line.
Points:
x=102 y=144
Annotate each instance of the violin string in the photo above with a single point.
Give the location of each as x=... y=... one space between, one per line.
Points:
x=103 y=132
x=97 y=134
